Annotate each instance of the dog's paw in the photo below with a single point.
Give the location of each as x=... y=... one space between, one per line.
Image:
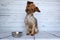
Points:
x=27 y=34
x=32 y=34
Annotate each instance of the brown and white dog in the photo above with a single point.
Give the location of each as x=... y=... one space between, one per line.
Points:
x=30 y=20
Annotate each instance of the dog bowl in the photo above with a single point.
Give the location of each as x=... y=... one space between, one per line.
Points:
x=16 y=34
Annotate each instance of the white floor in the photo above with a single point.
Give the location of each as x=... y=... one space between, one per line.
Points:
x=40 y=35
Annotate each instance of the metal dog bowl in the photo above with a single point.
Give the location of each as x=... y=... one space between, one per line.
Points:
x=16 y=34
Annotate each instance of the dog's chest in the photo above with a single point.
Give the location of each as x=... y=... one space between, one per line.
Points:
x=30 y=19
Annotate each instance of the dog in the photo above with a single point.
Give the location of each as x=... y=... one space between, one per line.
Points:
x=30 y=20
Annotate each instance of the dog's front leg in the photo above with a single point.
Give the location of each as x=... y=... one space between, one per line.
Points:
x=27 y=27
x=33 y=30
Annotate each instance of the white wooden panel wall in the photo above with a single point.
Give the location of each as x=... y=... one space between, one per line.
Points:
x=12 y=13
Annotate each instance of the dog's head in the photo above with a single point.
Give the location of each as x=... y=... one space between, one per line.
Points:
x=31 y=8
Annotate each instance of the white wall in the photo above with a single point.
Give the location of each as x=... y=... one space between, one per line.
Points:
x=12 y=13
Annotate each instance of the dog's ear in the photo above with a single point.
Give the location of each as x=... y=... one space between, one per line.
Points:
x=28 y=2
x=37 y=9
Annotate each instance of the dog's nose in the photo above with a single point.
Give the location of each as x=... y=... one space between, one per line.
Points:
x=39 y=11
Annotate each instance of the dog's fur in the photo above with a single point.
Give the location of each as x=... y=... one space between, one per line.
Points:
x=30 y=20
